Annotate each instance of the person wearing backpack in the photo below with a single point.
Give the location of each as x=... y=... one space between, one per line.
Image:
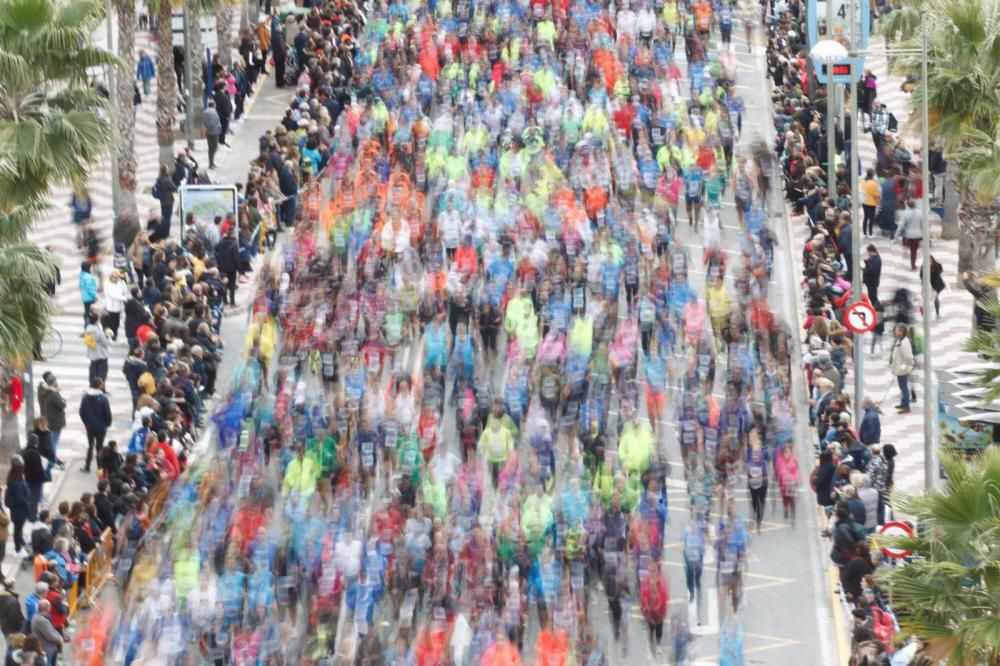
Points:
x=98 y=346
x=757 y=463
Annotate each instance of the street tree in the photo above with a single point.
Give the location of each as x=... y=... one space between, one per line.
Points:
x=947 y=594
x=54 y=128
x=125 y=108
x=167 y=86
x=963 y=69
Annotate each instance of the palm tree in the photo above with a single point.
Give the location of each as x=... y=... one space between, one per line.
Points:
x=25 y=309
x=125 y=140
x=53 y=126
x=53 y=129
x=224 y=16
x=963 y=65
x=167 y=86
x=947 y=593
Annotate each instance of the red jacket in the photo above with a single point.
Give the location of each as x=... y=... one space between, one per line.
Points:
x=654 y=600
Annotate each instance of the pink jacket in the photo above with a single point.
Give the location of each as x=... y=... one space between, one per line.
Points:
x=786 y=470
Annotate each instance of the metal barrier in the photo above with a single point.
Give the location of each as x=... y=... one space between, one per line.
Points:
x=96 y=573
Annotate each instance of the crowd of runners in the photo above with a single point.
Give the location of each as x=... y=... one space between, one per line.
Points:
x=501 y=320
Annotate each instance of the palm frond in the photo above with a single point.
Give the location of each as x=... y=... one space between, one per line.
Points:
x=946 y=593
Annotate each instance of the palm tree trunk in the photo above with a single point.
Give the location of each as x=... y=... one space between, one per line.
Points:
x=126 y=107
x=197 y=66
x=952 y=200
x=166 y=83
x=977 y=236
x=224 y=32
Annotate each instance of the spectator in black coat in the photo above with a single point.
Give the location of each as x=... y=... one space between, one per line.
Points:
x=41 y=535
x=34 y=474
x=224 y=107
x=872 y=274
x=95 y=412
x=17 y=497
x=824 y=479
x=105 y=505
x=227 y=259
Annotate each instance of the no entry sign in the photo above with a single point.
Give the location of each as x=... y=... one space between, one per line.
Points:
x=894 y=528
x=860 y=317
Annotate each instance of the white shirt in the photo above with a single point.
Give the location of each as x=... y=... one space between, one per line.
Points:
x=115 y=295
x=347 y=556
x=646 y=21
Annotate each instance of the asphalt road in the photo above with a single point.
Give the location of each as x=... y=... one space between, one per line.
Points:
x=785 y=614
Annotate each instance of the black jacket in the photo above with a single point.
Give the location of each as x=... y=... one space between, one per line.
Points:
x=105 y=510
x=34 y=470
x=824 y=483
x=872 y=274
x=167 y=188
x=227 y=255
x=95 y=410
x=286 y=181
x=133 y=369
x=11 y=617
x=41 y=539
x=18 y=500
x=223 y=105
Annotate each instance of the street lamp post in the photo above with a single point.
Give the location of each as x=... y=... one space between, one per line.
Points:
x=930 y=399
x=859 y=351
x=828 y=52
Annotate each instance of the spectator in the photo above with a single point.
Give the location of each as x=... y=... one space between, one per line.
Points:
x=43 y=630
x=871 y=426
x=35 y=474
x=95 y=412
x=164 y=190
x=213 y=131
x=872 y=274
x=11 y=617
x=144 y=71
x=17 y=497
x=88 y=290
x=31 y=602
x=115 y=295
x=98 y=345
x=901 y=365
x=227 y=259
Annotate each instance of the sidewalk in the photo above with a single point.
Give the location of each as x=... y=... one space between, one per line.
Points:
x=948 y=334
x=264 y=110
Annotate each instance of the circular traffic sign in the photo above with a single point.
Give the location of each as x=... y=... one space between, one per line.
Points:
x=895 y=528
x=860 y=317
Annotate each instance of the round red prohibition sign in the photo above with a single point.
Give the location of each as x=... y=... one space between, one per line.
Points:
x=894 y=528
x=860 y=317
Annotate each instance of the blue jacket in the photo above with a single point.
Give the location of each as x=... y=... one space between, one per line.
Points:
x=871 y=427
x=145 y=70
x=88 y=287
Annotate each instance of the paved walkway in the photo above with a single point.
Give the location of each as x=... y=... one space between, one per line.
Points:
x=948 y=333
x=56 y=231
